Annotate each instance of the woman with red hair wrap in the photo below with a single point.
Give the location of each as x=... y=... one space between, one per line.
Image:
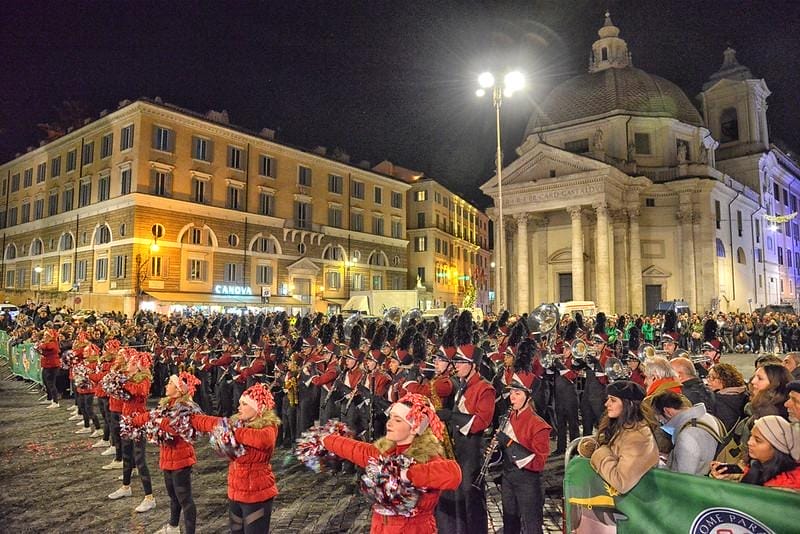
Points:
x=410 y=456
x=248 y=439
x=169 y=425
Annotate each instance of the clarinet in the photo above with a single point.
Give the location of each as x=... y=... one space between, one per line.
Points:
x=480 y=478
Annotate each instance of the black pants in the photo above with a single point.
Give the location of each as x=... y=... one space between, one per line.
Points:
x=523 y=501
x=49 y=376
x=463 y=511
x=86 y=408
x=106 y=413
x=566 y=406
x=115 y=438
x=249 y=518
x=133 y=453
x=179 y=489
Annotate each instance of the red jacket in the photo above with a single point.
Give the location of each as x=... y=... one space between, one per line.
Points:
x=479 y=401
x=327 y=378
x=173 y=455
x=258 y=366
x=533 y=433
x=435 y=475
x=250 y=477
x=786 y=480
x=90 y=366
x=139 y=392
x=51 y=355
x=98 y=374
x=442 y=384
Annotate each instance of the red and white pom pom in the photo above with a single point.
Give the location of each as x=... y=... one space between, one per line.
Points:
x=385 y=483
x=418 y=411
x=143 y=360
x=310 y=450
x=258 y=397
x=112 y=345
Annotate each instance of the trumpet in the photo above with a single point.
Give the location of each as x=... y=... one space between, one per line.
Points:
x=646 y=350
x=615 y=369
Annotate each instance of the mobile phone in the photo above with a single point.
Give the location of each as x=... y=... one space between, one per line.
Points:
x=729 y=469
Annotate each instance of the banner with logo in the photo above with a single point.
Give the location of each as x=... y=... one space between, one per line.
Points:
x=25 y=362
x=667 y=502
x=4 y=338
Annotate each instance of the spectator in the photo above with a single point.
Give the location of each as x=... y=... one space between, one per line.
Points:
x=767 y=395
x=792 y=363
x=659 y=376
x=691 y=386
x=792 y=403
x=730 y=393
x=695 y=433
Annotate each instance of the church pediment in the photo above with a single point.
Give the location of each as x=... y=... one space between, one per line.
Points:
x=656 y=272
x=303 y=266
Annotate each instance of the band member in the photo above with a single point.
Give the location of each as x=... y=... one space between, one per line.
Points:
x=670 y=335
x=464 y=510
x=111 y=350
x=103 y=366
x=251 y=483
x=309 y=394
x=711 y=348
x=399 y=361
x=525 y=442
x=352 y=377
x=566 y=393
x=374 y=390
x=413 y=430
x=329 y=353
x=290 y=402
x=632 y=359
x=50 y=362
x=594 y=389
x=90 y=359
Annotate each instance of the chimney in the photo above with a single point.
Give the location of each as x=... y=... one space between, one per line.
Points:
x=321 y=150
x=267 y=133
x=364 y=164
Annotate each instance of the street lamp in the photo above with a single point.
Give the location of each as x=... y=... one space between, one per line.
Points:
x=38 y=270
x=512 y=82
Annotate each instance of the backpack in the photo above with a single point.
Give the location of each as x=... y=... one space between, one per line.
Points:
x=728 y=449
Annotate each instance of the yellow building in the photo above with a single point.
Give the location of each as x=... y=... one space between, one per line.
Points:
x=448 y=241
x=153 y=205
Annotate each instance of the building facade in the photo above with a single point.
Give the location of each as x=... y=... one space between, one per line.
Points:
x=625 y=194
x=155 y=205
x=448 y=250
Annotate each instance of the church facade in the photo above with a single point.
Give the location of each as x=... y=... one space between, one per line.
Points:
x=627 y=194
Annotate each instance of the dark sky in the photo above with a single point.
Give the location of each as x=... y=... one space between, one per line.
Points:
x=380 y=79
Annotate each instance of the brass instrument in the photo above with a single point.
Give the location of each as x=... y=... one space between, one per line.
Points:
x=290 y=384
x=447 y=441
x=393 y=315
x=647 y=351
x=450 y=313
x=616 y=370
x=543 y=321
x=414 y=314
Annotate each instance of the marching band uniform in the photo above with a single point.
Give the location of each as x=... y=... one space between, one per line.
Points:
x=594 y=389
x=566 y=394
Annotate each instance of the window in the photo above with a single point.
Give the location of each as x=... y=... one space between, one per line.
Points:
x=335 y=217
x=67 y=200
x=88 y=153
x=80 y=270
x=720 y=248
x=397 y=229
x=125 y=181
x=333 y=280
x=264 y=275
x=642 y=143
x=357 y=190
x=36 y=277
x=780 y=255
x=52 y=203
x=9 y=278
x=265 y=245
x=578 y=146
x=106 y=145
x=650 y=202
x=230 y=272
x=421 y=220
x=302 y=215
x=377 y=225
x=38 y=209
x=739 y=222
x=196 y=270
x=28 y=178
x=797 y=261
x=421 y=274
x=397 y=200
x=49 y=270
x=233 y=240
x=232 y=198
x=103 y=235
x=357 y=282
x=199 y=191
x=304 y=176
x=728 y=126
x=120 y=266
x=758 y=231
x=15 y=183
x=65 y=242
x=126 y=137
x=604 y=54
x=201 y=149
x=420 y=244
x=37 y=247
x=72 y=159
x=335 y=184
x=421 y=196
x=788 y=258
x=266 y=203
x=163 y=139
x=66 y=272
x=235 y=158
x=161 y=183
x=785 y=198
x=357 y=222
x=84 y=193
x=101 y=269
x=41 y=173
x=156 y=263
x=25 y=215
x=267 y=166
x=378 y=195
x=740 y=257
x=718 y=214
x=377 y=259
x=103 y=188
x=759 y=255
x=196 y=236
x=377 y=281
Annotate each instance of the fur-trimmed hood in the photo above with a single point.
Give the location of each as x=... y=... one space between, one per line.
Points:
x=266 y=419
x=424 y=448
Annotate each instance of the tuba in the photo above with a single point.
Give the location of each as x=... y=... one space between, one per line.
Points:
x=349 y=323
x=616 y=370
x=393 y=315
x=450 y=313
x=543 y=320
x=413 y=315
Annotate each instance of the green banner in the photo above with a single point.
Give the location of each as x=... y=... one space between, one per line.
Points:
x=25 y=362
x=667 y=502
x=4 y=338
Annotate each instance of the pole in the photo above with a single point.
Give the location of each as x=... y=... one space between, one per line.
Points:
x=497 y=98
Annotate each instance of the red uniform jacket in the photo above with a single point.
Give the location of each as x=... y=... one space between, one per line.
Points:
x=327 y=378
x=100 y=371
x=533 y=433
x=435 y=475
x=139 y=392
x=222 y=361
x=173 y=455
x=250 y=477
x=478 y=400
x=441 y=384
x=378 y=382
x=91 y=367
x=50 y=352
x=258 y=366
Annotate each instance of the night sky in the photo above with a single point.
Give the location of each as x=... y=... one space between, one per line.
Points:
x=379 y=79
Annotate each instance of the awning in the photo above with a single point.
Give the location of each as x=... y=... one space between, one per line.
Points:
x=189 y=298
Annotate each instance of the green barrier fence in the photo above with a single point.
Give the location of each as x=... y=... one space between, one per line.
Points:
x=4 y=338
x=667 y=502
x=25 y=362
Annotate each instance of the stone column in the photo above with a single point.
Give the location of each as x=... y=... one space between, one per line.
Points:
x=602 y=272
x=687 y=246
x=540 y=270
x=523 y=283
x=577 y=253
x=621 y=290
x=636 y=296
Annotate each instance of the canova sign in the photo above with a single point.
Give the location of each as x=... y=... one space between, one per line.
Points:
x=232 y=290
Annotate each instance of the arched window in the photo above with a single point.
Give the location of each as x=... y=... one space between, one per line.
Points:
x=377 y=258
x=103 y=235
x=333 y=252
x=604 y=54
x=265 y=245
x=37 y=247
x=740 y=258
x=11 y=251
x=66 y=242
x=728 y=125
x=720 y=248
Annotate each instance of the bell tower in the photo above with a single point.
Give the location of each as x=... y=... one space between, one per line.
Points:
x=609 y=51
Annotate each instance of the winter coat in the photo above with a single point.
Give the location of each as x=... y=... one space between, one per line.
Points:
x=431 y=472
x=623 y=461
x=175 y=454
x=51 y=356
x=250 y=477
x=694 y=447
x=729 y=405
x=697 y=392
x=786 y=480
x=139 y=392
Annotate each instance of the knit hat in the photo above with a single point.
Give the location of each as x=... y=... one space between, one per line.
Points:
x=418 y=412
x=258 y=397
x=625 y=389
x=781 y=434
x=794 y=385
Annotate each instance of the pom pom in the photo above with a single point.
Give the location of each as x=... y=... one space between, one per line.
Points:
x=178 y=417
x=80 y=375
x=223 y=439
x=383 y=482
x=112 y=384
x=127 y=430
x=310 y=449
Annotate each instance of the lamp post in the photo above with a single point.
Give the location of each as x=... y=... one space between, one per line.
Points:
x=38 y=270
x=512 y=82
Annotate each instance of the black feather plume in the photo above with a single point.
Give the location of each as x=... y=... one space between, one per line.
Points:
x=710 y=330
x=523 y=361
x=600 y=323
